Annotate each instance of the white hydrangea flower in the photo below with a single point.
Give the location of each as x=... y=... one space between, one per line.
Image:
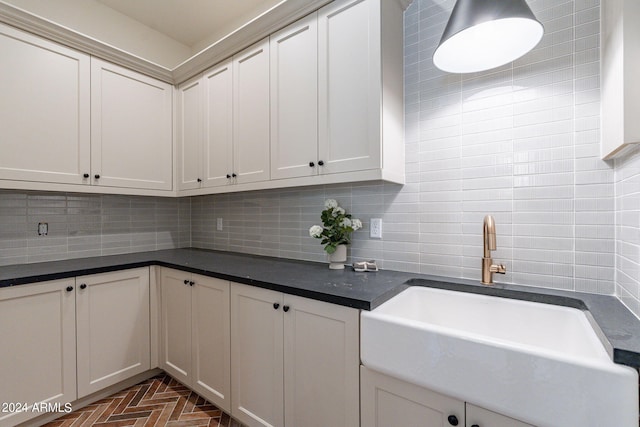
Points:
x=356 y=224
x=346 y=222
x=338 y=211
x=315 y=231
x=330 y=203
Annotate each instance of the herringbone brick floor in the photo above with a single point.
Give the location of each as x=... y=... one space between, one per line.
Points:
x=160 y=401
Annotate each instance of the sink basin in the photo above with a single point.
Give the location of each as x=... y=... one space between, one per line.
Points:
x=539 y=363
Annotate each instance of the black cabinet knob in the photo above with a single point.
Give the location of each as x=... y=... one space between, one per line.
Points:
x=321 y=163
x=228 y=176
x=192 y=283
x=453 y=420
x=199 y=180
x=276 y=305
x=83 y=286
x=86 y=175
x=285 y=308
x=69 y=288
x=233 y=175
x=96 y=176
x=186 y=282
x=311 y=164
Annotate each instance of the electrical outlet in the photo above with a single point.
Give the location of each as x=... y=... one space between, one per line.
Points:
x=43 y=228
x=375 y=229
x=219 y=224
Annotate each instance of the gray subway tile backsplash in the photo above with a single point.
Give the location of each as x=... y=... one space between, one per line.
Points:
x=88 y=225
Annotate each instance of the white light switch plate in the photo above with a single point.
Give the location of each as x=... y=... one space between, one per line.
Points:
x=219 y=224
x=375 y=230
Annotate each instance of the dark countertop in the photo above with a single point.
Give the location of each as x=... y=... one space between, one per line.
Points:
x=618 y=327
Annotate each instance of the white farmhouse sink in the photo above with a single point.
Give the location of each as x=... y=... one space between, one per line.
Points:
x=540 y=363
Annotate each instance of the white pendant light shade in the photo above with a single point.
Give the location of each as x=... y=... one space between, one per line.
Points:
x=485 y=34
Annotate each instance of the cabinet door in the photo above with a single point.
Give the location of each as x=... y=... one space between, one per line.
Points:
x=45 y=110
x=131 y=136
x=211 y=356
x=175 y=329
x=349 y=79
x=251 y=113
x=294 y=100
x=218 y=125
x=189 y=134
x=38 y=350
x=112 y=316
x=256 y=356
x=480 y=417
x=321 y=364
x=386 y=401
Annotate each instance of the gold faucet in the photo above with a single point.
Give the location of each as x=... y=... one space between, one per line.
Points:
x=489 y=239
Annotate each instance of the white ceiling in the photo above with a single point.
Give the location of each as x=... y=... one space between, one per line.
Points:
x=190 y=21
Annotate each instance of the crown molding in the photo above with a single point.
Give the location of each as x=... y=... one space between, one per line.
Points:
x=270 y=21
x=274 y=19
x=31 y=23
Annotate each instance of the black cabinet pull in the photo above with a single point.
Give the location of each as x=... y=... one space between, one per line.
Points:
x=186 y=282
x=199 y=180
x=86 y=175
x=453 y=420
x=69 y=288
x=96 y=176
x=233 y=175
x=311 y=164
x=475 y=425
x=321 y=163
x=192 y=283
x=276 y=305
x=83 y=286
x=285 y=308
x=228 y=176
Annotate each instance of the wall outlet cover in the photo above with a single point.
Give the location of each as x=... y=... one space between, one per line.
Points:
x=375 y=229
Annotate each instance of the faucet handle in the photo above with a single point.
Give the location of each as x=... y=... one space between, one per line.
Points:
x=498 y=268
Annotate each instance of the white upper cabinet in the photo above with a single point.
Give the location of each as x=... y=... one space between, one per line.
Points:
x=620 y=40
x=189 y=134
x=251 y=114
x=349 y=86
x=74 y=123
x=44 y=110
x=294 y=100
x=318 y=102
x=218 y=125
x=131 y=136
x=223 y=123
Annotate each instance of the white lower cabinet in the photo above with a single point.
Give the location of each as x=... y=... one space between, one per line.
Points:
x=102 y=317
x=195 y=336
x=112 y=326
x=387 y=401
x=294 y=361
x=37 y=347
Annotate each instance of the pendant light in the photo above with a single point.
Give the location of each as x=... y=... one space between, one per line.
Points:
x=485 y=34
